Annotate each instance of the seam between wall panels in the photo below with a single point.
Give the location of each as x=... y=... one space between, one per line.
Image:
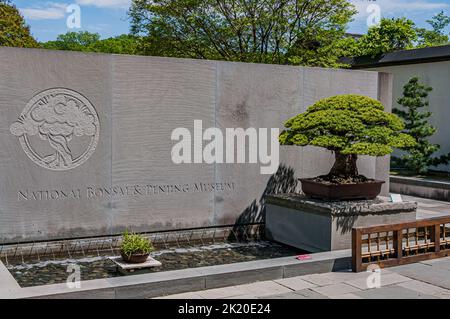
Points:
x=112 y=83
x=216 y=67
x=302 y=103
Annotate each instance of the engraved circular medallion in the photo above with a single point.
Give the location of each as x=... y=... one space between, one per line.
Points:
x=58 y=129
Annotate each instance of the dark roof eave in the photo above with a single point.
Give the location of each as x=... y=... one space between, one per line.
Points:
x=415 y=56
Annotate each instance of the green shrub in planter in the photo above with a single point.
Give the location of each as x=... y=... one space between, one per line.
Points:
x=135 y=244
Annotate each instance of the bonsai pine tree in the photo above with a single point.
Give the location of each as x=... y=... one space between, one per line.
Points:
x=418 y=158
x=348 y=125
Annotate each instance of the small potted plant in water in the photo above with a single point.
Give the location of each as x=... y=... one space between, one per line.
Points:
x=135 y=248
x=347 y=125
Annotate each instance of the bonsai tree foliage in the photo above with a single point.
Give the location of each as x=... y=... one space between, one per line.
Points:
x=348 y=125
x=419 y=157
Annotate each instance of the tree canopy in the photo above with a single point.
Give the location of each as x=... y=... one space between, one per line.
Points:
x=74 y=41
x=402 y=34
x=13 y=30
x=296 y=32
x=390 y=35
x=268 y=31
x=90 y=42
x=437 y=35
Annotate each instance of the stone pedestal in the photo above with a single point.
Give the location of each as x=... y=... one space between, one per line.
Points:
x=127 y=268
x=315 y=225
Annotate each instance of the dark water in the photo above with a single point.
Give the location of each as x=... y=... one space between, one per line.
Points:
x=97 y=267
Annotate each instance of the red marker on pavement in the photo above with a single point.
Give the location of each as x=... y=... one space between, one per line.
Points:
x=303 y=257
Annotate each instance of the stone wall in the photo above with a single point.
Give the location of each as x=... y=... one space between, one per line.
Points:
x=66 y=174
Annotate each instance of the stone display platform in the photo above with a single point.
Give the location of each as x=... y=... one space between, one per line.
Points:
x=124 y=267
x=315 y=225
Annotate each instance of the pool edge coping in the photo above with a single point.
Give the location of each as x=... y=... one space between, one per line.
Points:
x=185 y=280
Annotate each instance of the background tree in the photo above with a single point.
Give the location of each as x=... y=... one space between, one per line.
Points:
x=418 y=158
x=74 y=41
x=122 y=44
x=91 y=42
x=437 y=35
x=243 y=30
x=13 y=30
x=389 y=35
x=324 y=49
x=348 y=125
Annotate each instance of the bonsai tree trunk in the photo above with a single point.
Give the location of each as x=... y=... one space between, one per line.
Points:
x=344 y=165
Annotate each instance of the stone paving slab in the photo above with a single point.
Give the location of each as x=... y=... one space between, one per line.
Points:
x=218 y=293
x=295 y=283
x=335 y=290
x=300 y=294
x=425 y=214
x=426 y=289
x=186 y=295
x=442 y=263
x=242 y=297
x=289 y=295
x=264 y=288
x=426 y=273
x=426 y=202
x=429 y=208
x=337 y=277
x=392 y=292
x=346 y=296
x=428 y=205
x=310 y=294
x=385 y=280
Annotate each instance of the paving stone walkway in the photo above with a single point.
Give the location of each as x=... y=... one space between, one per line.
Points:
x=429 y=208
x=424 y=280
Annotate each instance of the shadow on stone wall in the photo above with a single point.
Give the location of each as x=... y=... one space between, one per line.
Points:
x=283 y=181
x=345 y=224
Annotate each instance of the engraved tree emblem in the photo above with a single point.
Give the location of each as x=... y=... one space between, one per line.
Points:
x=57 y=116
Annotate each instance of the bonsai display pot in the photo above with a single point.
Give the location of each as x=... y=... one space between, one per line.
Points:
x=135 y=258
x=325 y=191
